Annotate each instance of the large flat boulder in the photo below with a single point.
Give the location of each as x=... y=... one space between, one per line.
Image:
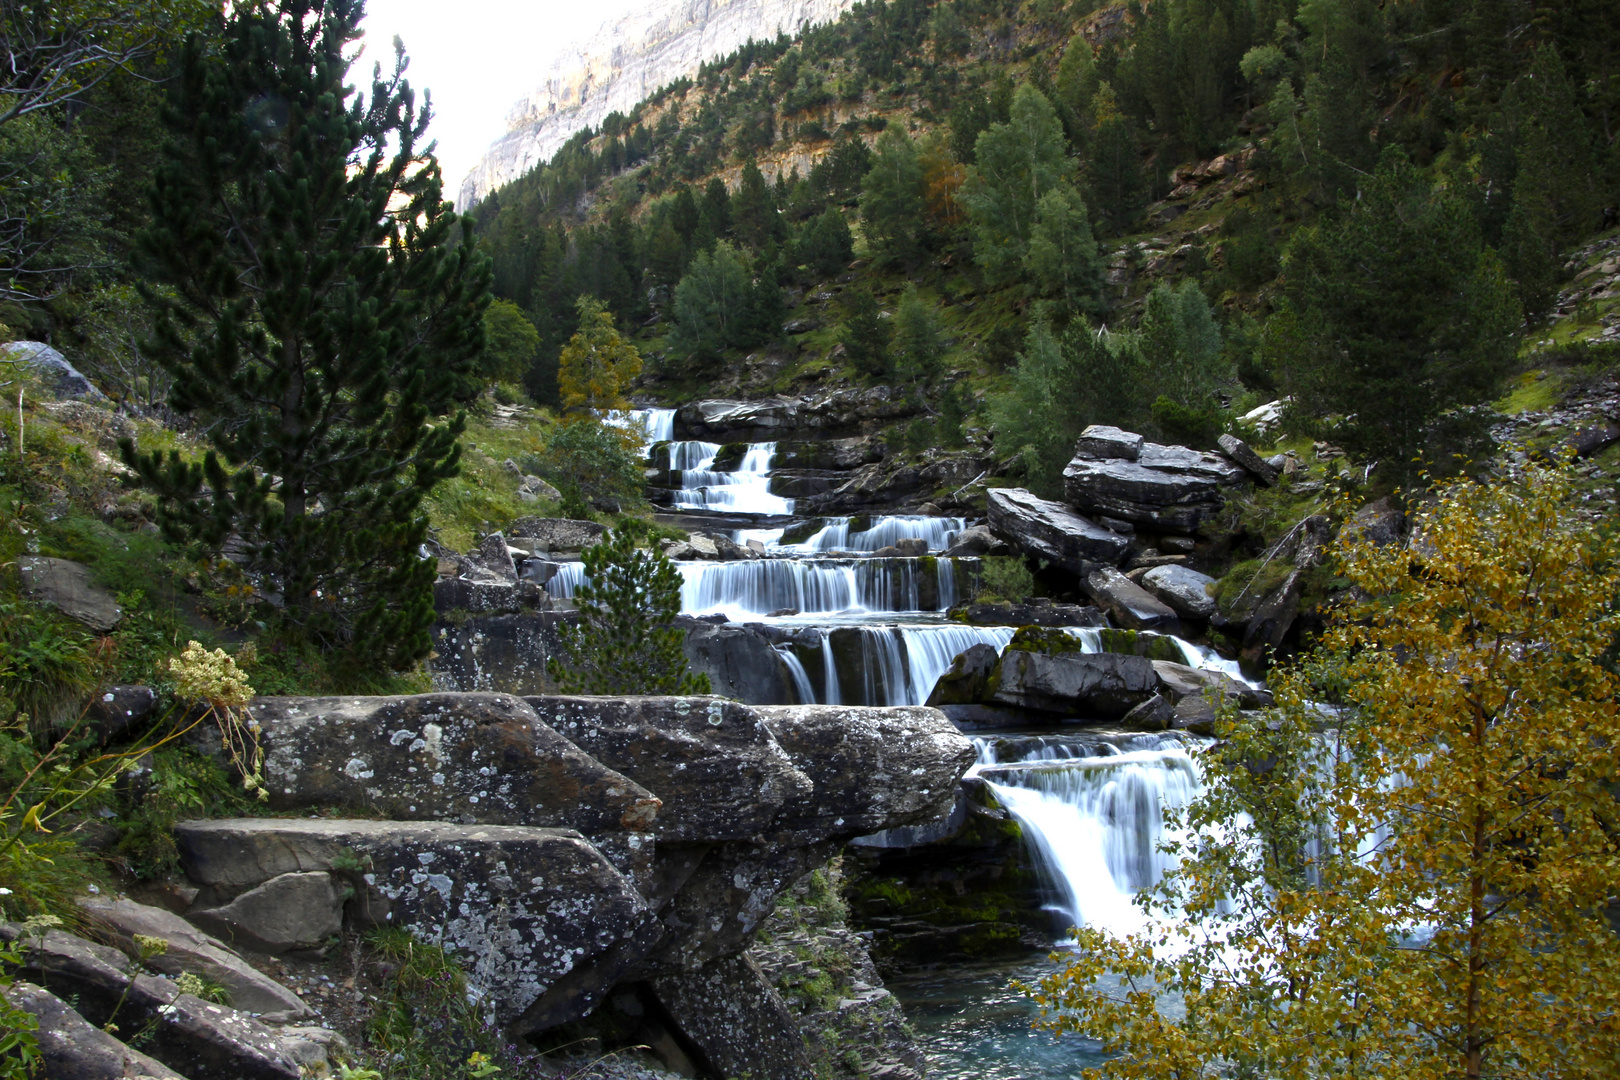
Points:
x=1052 y=531
x=534 y=534
x=716 y=766
x=1087 y=685
x=838 y=413
x=70 y=588
x=190 y=949
x=531 y=913
x=442 y=757
x=1131 y=605
x=1164 y=488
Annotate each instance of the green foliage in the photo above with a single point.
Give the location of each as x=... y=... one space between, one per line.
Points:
x=824 y=245
x=716 y=307
x=865 y=335
x=625 y=641
x=1394 y=316
x=45 y=666
x=598 y=364
x=180 y=784
x=1016 y=163
x=894 y=200
x=427 y=1025
x=1062 y=261
x=20 y=1056
x=313 y=336
x=918 y=343
x=1005 y=577
x=510 y=343
x=1058 y=388
x=590 y=460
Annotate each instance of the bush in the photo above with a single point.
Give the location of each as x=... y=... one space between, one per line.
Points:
x=1005 y=577
x=586 y=460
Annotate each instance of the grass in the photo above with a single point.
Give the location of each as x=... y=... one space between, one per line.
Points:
x=1533 y=391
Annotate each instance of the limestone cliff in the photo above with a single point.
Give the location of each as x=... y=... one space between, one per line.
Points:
x=622 y=63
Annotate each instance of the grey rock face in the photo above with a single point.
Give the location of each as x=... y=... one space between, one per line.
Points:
x=503 y=654
x=68 y=587
x=525 y=910
x=715 y=764
x=1178 y=681
x=1183 y=589
x=1242 y=453
x=424 y=757
x=740 y=662
x=1034 y=612
x=967 y=680
x=841 y=412
x=1378 y=523
x=1128 y=602
x=288 y=912
x=63 y=379
x=555 y=534
x=492 y=554
x=737 y=1019
x=978 y=540
x=73 y=1048
x=1099 y=442
x=200 y=1040
x=1166 y=488
x=190 y=949
x=1052 y=531
x=1100 y=685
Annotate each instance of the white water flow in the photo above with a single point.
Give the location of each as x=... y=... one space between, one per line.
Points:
x=1093 y=821
x=745 y=490
x=845 y=534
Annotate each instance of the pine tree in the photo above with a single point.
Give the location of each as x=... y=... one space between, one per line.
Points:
x=865 y=335
x=598 y=364
x=919 y=343
x=324 y=310
x=625 y=641
x=753 y=210
x=1062 y=261
x=893 y=200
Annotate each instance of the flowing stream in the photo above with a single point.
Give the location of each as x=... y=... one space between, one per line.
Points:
x=867 y=629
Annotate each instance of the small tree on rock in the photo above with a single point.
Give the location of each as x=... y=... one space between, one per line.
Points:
x=625 y=641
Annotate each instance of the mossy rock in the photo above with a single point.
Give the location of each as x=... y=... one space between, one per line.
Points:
x=1142 y=643
x=1044 y=639
x=1239 y=593
x=730 y=457
x=804 y=530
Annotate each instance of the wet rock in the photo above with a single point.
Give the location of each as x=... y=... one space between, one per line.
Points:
x=1102 y=685
x=1242 y=453
x=1165 y=488
x=200 y=1040
x=60 y=377
x=69 y=588
x=554 y=534
x=841 y=412
x=300 y=910
x=533 y=914
x=716 y=766
x=425 y=757
x=740 y=662
x=1052 y=531
x=114 y=710
x=912 y=547
x=190 y=949
x=1179 y=681
x=74 y=1049
x=737 y=1020
x=1157 y=713
x=967 y=681
x=978 y=540
x=1133 y=606
x=1186 y=590
x=831 y=454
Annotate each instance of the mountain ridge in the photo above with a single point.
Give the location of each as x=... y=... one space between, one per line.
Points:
x=623 y=62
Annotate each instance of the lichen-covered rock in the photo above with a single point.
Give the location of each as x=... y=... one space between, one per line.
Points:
x=737 y=1019
x=716 y=767
x=190 y=949
x=529 y=912
x=1245 y=455
x=442 y=757
x=501 y=654
x=537 y=534
x=74 y=1049
x=1052 y=531
x=872 y=768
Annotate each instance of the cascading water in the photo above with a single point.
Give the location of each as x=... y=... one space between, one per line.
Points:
x=1094 y=823
x=842 y=534
x=746 y=490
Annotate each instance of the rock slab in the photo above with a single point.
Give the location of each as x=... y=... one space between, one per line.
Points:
x=69 y=587
x=1052 y=531
x=73 y=1049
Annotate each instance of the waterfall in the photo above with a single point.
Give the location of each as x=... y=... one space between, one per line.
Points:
x=801 y=678
x=743 y=491
x=1094 y=823
x=819 y=587
x=654 y=425
x=839 y=534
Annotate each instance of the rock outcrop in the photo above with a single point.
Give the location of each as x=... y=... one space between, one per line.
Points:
x=1048 y=530
x=841 y=413
x=69 y=587
x=1168 y=489
x=624 y=62
x=52 y=368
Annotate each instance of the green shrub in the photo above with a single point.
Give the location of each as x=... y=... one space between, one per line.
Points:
x=1005 y=577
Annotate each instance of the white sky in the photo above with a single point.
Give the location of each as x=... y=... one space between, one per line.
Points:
x=478 y=57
